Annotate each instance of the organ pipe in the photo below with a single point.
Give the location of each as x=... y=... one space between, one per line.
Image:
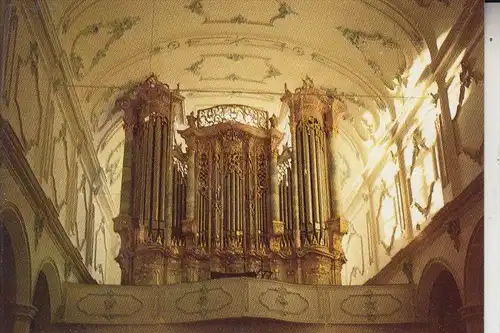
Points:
x=231 y=203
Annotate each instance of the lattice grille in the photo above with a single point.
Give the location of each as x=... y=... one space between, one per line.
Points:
x=230 y=112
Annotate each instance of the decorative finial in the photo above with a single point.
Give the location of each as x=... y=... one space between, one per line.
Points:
x=273 y=120
x=191 y=120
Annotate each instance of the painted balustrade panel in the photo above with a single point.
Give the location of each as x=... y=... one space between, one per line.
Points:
x=238 y=298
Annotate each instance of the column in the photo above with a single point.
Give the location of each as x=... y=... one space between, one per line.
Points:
x=451 y=181
x=189 y=228
x=295 y=193
x=308 y=111
x=405 y=191
x=314 y=195
x=22 y=316
x=337 y=225
x=277 y=225
x=145 y=207
x=472 y=316
x=123 y=223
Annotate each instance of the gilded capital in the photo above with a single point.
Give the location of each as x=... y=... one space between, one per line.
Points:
x=150 y=98
x=306 y=102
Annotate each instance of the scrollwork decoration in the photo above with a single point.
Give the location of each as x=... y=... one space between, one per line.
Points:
x=115 y=29
x=196 y=7
x=231 y=112
x=359 y=40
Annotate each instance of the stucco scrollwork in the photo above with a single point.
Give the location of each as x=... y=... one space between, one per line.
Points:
x=203 y=301
x=197 y=7
x=371 y=305
x=283 y=301
x=114 y=30
x=109 y=305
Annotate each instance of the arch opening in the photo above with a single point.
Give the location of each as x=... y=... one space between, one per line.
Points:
x=41 y=300
x=8 y=285
x=444 y=305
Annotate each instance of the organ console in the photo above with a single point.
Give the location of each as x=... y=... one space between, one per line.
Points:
x=231 y=205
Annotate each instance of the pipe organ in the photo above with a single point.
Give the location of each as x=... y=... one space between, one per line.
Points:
x=231 y=204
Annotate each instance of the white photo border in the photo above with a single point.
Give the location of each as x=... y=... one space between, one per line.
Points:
x=492 y=170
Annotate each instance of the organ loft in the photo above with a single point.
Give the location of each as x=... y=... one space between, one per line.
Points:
x=239 y=201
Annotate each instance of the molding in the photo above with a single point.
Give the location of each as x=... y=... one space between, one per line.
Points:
x=196 y=68
x=21 y=170
x=427 y=3
x=77 y=124
x=22 y=311
x=453 y=210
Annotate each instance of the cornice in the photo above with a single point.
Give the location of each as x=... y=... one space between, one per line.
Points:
x=19 y=167
x=453 y=210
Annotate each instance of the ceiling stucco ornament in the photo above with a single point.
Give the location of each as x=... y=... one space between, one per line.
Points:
x=269 y=71
x=197 y=7
x=170 y=47
x=244 y=41
x=359 y=39
x=114 y=29
x=427 y=3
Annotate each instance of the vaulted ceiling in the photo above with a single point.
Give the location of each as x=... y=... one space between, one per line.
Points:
x=243 y=52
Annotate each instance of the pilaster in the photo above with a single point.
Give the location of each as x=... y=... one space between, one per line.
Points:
x=472 y=316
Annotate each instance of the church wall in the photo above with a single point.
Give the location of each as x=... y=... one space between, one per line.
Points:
x=453 y=162
x=37 y=106
x=443 y=242
x=358 y=244
x=44 y=245
x=468 y=122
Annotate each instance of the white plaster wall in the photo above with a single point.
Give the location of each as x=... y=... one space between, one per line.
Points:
x=32 y=103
